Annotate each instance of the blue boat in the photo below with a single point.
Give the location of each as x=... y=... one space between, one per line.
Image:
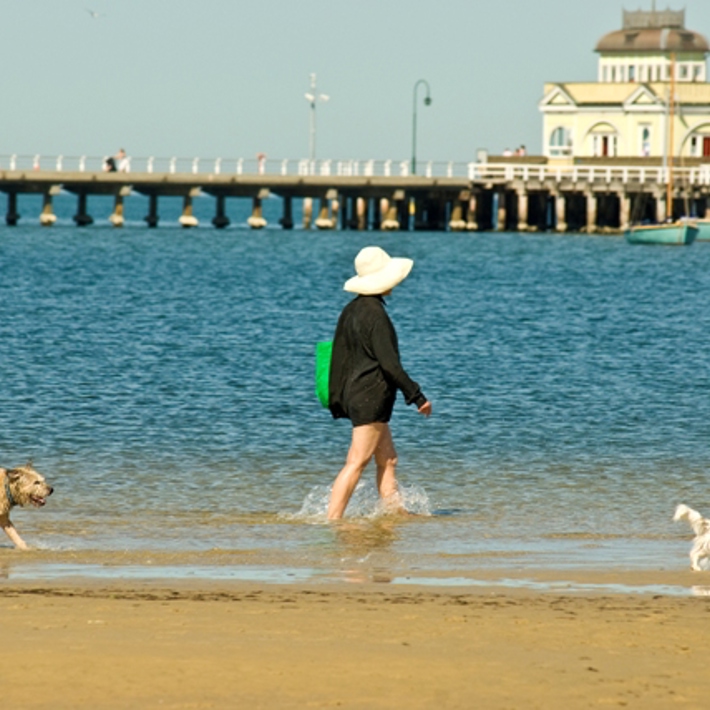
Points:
x=681 y=233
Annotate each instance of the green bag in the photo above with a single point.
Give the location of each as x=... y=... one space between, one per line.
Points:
x=324 y=353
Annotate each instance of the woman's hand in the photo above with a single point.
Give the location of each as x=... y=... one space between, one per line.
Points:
x=425 y=409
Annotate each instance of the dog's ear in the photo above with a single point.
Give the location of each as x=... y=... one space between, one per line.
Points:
x=14 y=475
x=29 y=463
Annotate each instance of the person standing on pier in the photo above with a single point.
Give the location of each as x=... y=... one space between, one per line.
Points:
x=122 y=161
x=365 y=375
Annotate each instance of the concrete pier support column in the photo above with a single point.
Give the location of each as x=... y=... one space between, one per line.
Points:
x=472 y=213
x=328 y=212
x=624 y=210
x=403 y=214
x=151 y=219
x=334 y=210
x=376 y=213
x=307 y=212
x=286 y=220
x=82 y=218
x=116 y=218
x=382 y=208
x=324 y=220
x=502 y=215
x=361 y=212
x=344 y=212
x=592 y=210
x=560 y=213
x=220 y=219
x=350 y=218
x=523 y=205
x=457 y=223
x=390 y=223
x=11 y=217
x=47 y=217
x=256 y=220
x=660 y=208
x=187 y=219
x=390 y=211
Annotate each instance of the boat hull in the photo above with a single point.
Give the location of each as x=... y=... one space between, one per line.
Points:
x=703 y=230
x=678 y=233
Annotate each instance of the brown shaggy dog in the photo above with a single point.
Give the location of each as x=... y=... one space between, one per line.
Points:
x=20 y=486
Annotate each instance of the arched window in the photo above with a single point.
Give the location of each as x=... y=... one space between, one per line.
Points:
x=604 y=140
x=561 y=142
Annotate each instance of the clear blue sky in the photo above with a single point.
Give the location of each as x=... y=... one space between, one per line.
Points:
x=227 y=78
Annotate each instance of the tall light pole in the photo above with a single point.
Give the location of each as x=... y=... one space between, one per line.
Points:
x=427 y=102
x=313 y=98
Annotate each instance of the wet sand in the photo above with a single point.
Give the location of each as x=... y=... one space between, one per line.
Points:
x=89 y=644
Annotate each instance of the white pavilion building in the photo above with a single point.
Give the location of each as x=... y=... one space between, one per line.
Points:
x=626 y=112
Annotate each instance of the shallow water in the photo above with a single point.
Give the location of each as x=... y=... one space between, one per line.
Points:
x=163 y=381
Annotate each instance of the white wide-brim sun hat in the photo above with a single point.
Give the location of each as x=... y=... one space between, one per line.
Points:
x=377 y=272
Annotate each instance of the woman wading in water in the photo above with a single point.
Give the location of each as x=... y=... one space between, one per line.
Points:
x=365 y=375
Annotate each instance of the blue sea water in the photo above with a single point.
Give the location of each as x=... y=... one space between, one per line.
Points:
x=163 y=381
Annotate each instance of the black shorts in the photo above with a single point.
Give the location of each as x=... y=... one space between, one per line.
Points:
x=368 y=411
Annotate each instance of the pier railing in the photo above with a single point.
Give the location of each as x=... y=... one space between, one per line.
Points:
x=624 y=175
x=238 y=166
x=498 y=173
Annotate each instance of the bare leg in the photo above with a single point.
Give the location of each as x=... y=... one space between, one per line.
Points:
x=362 y=448
x=386 y=460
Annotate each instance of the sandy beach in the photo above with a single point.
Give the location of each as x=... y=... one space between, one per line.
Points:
x=89 y=644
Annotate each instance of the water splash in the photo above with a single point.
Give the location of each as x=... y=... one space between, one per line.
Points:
x=365 y=503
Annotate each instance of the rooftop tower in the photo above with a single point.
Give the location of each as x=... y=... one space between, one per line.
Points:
x=642 y=50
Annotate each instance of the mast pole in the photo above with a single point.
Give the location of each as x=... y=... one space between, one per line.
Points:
x=669 y=190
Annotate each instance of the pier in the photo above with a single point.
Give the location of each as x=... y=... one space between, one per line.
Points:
x=593 y=195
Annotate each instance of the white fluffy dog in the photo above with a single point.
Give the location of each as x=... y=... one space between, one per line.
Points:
x=701 y=528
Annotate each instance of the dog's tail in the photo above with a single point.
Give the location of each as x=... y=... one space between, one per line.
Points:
x=699 y=524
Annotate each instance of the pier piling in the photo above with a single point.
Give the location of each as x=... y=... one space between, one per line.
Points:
x=472 y=213
x=324 y=220
x=187 y=218
x=256 y=220
x=151 y=219
x=523 y=205
x=11 y=217
x=116 y=218
x=286 y=220
x=220 y=220
x=82 y=218
x=307 y=212
x=47 y=217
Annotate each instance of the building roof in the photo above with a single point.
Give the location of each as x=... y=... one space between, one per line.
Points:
x=654 y=31
x=680 y=41
x=610 y=94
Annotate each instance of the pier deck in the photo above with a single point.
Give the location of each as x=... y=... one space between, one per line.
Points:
x=523 y=195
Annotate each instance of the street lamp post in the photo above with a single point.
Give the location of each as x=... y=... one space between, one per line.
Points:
x=427 y=102
x=312 y=98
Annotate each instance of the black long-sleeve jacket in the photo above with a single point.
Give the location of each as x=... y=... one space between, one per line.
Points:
x=365 y=371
